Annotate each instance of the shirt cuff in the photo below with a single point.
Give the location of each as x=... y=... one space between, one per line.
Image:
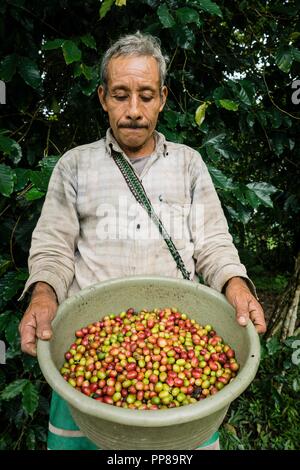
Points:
x=225 y=274
x=51 y=279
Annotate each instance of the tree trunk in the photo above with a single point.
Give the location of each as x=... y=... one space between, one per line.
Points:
x=285 y=316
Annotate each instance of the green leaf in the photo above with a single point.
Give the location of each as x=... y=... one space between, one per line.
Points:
x=30 y=439
x=242 y=214
x=10 y=147
x=87 y=71
x=185 y=37
x=7 y=179
x=273 y=345
x=244 y=96
x=4 y=320
x=284 y=59
x=40 y=179
x=210 y=7
x=227 y=151
x=29 y=71
x=219 y=93
x=21 y=274
x=294 y=36
x=30 y=399
x=187 y=15
x=14 y=351
x=165 y=16
x=34 y=194
x=22 y=177
x=296 y=54
x=105 y=7
x=259 y=194
x=48 y=163
x=213 y=139
x=171 y=117
x=11 y=330
x=29 y=363
x=200 y=113
x=230 y=105
x=4 y=265
x=279 y=141
x=13 y=389
x=262 y=117
x=276 y=118
x=220 y=180
x=5 y=143
x=90 y=87
x=53 y=44
x=10 y=283
x=89 y=41
x=8 y=67
x=250 y=119
x=71 y=52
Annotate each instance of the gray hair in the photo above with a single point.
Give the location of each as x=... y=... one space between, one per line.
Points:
x=135 y=44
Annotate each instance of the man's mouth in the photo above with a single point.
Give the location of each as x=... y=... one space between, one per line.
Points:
x=132 y=126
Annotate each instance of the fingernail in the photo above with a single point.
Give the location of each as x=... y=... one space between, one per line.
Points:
x=242 y=320
x=46 y=334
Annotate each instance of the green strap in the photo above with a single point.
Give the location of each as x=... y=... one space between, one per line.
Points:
x=138 y=190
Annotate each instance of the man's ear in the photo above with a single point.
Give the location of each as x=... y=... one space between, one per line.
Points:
x=164 y=94
x=102 y=94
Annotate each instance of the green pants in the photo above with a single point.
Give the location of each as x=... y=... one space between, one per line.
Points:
x=64 y=434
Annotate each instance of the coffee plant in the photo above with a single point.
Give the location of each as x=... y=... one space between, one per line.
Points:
x=232 y=78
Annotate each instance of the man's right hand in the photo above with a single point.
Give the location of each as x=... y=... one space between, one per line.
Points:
x=36 y=322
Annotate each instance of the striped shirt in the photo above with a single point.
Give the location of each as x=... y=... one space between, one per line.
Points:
x=92 y=229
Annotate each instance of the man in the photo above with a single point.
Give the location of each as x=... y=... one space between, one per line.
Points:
x=75 y=244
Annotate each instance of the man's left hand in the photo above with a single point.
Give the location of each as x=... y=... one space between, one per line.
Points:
x=239 y=295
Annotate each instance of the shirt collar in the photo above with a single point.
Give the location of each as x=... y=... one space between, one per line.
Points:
x=160 y=147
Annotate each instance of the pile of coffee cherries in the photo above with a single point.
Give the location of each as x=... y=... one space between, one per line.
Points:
x=149 y=360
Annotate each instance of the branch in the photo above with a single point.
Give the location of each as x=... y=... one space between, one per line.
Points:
x=11 y=242
x=36 y=16
x=273 y=102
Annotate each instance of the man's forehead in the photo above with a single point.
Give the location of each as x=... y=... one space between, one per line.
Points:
x=140 y=87
x=144 y=67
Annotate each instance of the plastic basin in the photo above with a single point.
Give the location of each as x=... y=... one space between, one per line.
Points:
x=185 y=427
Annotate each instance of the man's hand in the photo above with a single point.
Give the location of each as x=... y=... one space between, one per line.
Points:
x=239 y=295
x=36 y=322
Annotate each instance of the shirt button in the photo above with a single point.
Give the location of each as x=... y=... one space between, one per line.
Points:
x=138 y=226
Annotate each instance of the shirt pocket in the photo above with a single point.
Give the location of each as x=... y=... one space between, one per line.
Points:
x=174 y=213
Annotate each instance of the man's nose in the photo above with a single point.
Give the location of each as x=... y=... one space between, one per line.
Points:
x=134 y=108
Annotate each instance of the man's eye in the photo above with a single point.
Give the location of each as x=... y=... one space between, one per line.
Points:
x=146 y=98
x=121 y=97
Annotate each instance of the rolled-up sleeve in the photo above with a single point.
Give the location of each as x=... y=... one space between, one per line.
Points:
x=54 y=239
x=216 y=257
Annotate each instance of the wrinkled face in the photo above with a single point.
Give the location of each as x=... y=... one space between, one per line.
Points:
x=133 y=101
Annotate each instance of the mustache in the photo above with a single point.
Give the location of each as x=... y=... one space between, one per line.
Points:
x=133 y=125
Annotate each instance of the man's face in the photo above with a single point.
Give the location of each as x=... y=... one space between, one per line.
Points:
x=133 y=102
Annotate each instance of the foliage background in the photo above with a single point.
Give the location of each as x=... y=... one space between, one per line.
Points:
x=230 y=75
